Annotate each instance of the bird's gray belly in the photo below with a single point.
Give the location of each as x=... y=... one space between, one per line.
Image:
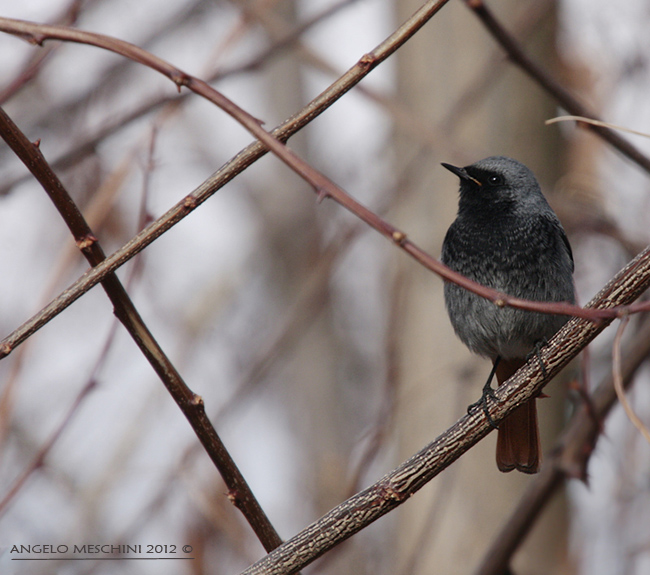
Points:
x=494 y=331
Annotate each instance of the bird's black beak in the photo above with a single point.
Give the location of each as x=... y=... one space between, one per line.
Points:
x=461 y=173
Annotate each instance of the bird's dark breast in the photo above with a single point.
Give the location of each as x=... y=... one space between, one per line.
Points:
x=519 y=258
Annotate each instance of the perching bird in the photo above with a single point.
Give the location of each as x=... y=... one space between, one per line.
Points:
x=508 y=238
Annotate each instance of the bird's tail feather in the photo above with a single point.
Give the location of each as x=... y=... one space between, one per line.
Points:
x=518 y=444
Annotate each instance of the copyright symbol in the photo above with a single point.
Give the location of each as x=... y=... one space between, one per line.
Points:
x=187 y=548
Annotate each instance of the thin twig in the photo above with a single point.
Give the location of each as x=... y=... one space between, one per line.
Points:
x=39 y=459
x=273 y=141
x=551 y=85
x=568 y=459
x=86 y=146
x=593 y=122
x=190 y=404
x=45 y=448
x=245 y=158
x=618 y=380
x=35 y=64
x=400 y=484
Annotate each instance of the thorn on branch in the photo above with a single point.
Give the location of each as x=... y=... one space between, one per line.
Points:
x=86 y=241
x=233 y=498
x=398 y=237
x=180 y=79
x=321 y=194
x=189 y=202
x=5 y=350
x=34 y=39
x=37 y=144
x=388 y=493
x=367 y=61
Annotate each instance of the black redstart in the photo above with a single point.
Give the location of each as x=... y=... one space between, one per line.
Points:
x=508 y=238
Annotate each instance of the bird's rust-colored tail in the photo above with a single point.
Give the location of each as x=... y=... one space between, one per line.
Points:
x=518 y=444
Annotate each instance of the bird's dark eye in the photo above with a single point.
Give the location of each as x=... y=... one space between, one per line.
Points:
x=495 y=180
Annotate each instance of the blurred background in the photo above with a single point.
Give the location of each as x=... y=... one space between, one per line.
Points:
x=323 y=354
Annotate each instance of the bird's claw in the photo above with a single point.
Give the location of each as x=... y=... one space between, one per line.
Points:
x=488 y=393
x=537 y=353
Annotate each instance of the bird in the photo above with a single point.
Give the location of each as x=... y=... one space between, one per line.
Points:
x=507 y=237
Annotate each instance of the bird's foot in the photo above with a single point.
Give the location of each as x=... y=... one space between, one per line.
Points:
x=537 y=353
x=488 y=393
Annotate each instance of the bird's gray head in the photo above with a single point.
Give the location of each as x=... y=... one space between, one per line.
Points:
x=498 y=181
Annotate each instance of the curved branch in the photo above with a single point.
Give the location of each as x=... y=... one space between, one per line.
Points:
x=397 y=486
x=190 y=404
x=552 y=86
x=323 y=186
x=567 y=459
x=239 y=163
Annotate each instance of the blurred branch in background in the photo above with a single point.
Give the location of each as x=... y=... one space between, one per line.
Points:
x=32 y=67
x=115 y=76
x=294 y=325
x=190 y=404
x=224 y=175
x=551 y=85
x=569 y=458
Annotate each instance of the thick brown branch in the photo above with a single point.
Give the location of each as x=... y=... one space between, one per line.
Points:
x=272 y=141
x=191 y=405
x=393 y=489
x=568 y=458
x=239 y=163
